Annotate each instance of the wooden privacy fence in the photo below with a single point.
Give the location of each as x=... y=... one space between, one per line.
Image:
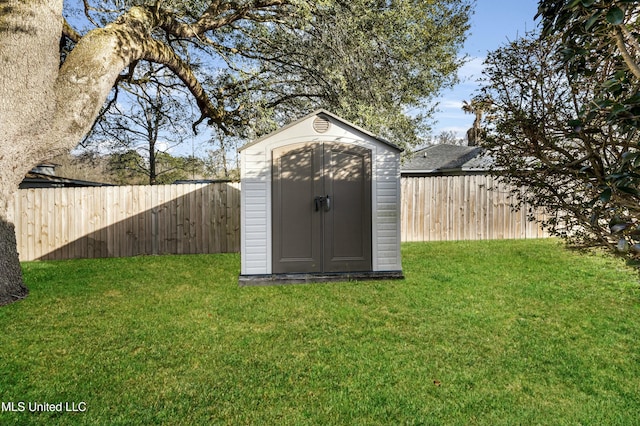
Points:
x=121 y=221
x=473 y=207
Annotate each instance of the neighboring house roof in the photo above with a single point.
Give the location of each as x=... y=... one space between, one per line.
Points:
x=447 y=159
x=482 y=162
x=205 y=181
x=43 y=176
x=323 y=112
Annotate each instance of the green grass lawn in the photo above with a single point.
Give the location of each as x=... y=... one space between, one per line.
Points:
x=498 y=332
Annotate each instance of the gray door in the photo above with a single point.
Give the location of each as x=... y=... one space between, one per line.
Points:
x=321 y=198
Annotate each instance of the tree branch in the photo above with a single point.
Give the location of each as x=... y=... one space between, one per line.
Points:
x=217 y=15
x=159 y=52
x=622 y=47
x=87 y=8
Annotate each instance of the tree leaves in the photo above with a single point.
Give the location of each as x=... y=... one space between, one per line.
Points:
x=264 y=63
x=566 y=135
x=592 y=20
x=615 y=16
x=600 y=47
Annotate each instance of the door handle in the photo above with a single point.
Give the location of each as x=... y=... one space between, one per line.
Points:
x=322 y=201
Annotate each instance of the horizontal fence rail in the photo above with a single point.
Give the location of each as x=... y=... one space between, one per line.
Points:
x=468 y=207
x=121 y=221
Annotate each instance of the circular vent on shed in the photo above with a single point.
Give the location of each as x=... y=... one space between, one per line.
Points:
x=321 y=124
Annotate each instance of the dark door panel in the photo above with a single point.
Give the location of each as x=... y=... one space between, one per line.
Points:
x=297 y=230
x=321 y=197
x=347 y=235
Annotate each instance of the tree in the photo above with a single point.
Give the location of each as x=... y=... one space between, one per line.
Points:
x=222 y=161
x=603 y=39
x=147 y=114
x=595 y=35
x=543 y=138
x=86 y=165
x=448 y=137
x=477 y=107
x=240 y=60
x=128 y=168
x=131 y=168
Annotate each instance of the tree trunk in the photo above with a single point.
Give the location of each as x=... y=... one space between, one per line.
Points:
x=153 y=177
x=29 y=42
x=46 y=109
x=11 y=285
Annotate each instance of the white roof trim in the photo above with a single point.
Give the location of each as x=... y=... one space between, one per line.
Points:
x=318 y=113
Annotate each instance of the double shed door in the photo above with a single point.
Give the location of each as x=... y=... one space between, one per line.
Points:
x=321 y=201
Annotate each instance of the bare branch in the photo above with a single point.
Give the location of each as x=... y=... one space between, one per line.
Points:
x=87 y=8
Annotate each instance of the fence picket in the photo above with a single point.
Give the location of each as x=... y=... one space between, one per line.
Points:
x=65 y=223
x=462 y=207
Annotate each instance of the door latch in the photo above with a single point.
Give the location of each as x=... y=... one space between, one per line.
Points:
x=322 y=201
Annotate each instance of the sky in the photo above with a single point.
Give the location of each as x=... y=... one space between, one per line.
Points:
x=494 y=23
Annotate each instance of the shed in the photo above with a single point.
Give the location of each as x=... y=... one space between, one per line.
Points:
x=320 y=201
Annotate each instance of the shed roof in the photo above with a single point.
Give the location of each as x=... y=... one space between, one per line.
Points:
x=323 y=112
